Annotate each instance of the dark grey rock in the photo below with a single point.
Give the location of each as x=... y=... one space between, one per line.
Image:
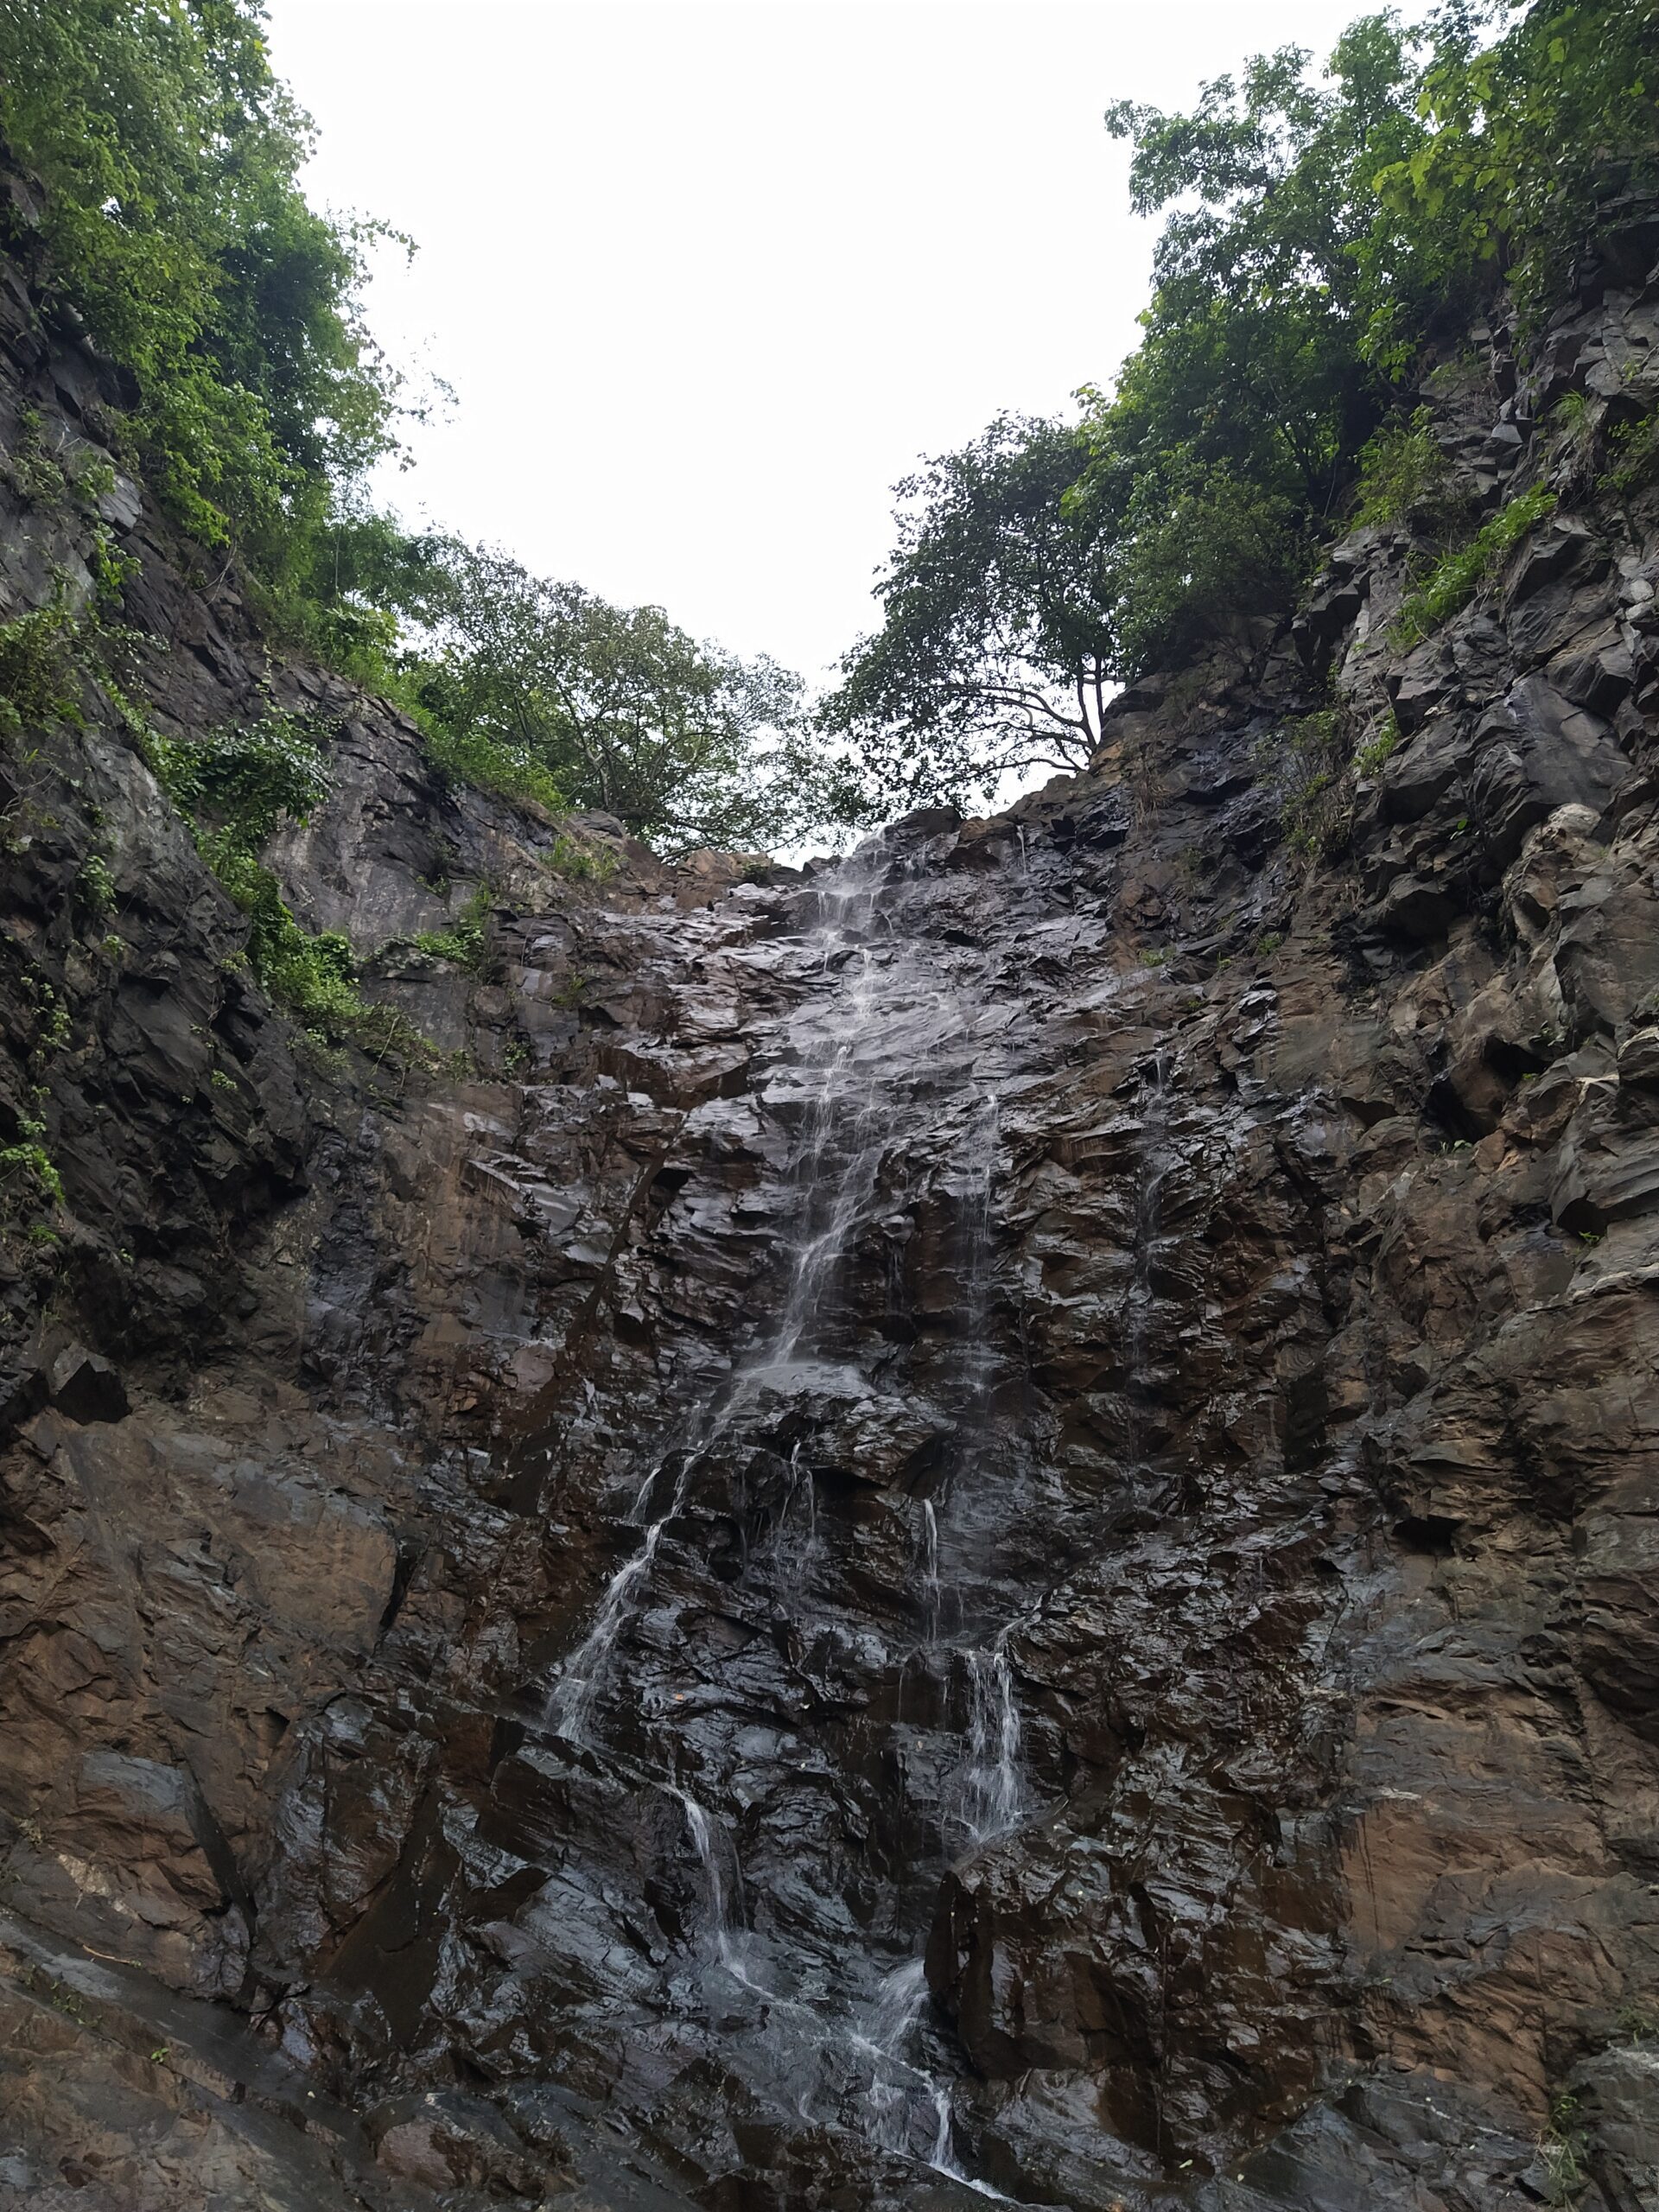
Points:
x=1536 y=753
x=87 y=1388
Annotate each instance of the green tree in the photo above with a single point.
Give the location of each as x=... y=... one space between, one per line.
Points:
x=1228 y=445
x=685 y=743
x=1272 y=182
x=997 y=644
x=172 y=223
x=1528 y=144
x=1325 y=235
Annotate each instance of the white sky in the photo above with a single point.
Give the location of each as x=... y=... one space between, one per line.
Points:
x=708 y=275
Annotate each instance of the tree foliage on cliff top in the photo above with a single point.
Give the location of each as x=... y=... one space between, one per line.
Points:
x=601 y=708
x=173 y=224
x=997 y=646
x=1323 y=232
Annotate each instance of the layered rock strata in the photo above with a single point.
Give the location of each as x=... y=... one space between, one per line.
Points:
x=977 y=1520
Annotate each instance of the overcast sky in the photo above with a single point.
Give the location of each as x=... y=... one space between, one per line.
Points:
x=707 y=277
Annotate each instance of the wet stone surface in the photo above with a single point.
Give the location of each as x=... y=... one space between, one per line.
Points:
x=978 y=1522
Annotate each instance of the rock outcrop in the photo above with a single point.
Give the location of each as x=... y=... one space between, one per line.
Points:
x=979 y=1519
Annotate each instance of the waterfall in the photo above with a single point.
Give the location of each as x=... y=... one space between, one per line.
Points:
x=794 y=1544
x=900 y=2091
x=931 y=1569
x=861 y=1111
x=818 y=1255
x=570 y=1700
x=723 y=1924
x=992 y=1790
x=994 y=1796
x=909 y=2110
x=702 y=1842
x=813 y=1263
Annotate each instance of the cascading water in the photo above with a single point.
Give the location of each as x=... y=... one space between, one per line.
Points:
x=843 y=1132
x=702 y=1842
x=795 y=1539
x=1148 y=1210
x=910 y=2111
x=995 y=1796
x=570 y=1701
x=867 y=1121
x=828 y=1223
x=930 y=1587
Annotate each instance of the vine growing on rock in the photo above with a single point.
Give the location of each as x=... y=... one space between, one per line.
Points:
x=1403 y=476
x=37 y=664
x=233 y=785
x=27 y=1171
x=1459 y=575
x=464 y=943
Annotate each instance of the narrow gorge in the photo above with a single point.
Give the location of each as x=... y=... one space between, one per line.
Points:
x=974 y=1523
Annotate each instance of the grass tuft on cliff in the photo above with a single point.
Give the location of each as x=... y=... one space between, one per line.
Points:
x=234 y=786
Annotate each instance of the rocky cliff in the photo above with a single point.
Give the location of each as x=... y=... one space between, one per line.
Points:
x=980 y=1521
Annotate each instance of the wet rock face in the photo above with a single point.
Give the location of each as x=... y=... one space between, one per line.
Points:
x=978 y=1521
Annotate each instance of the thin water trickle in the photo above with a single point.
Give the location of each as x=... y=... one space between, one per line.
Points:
x=993 y=1798
x=725 y=1901
x=844 y=1137
x=900 y=2091
x=1148 y=1223
x=702 y=1842
x=910 y=2109
x=931 y=1569
x=571 y=1700
x=794 y=1545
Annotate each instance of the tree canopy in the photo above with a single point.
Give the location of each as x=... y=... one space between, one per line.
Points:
x=174 y=226
x=1326 y=231
x=622 y=711
x=172 y=222
x=997 y=642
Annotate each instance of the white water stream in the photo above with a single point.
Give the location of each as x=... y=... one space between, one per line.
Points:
x=840 y=1094
x=995 y=1795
